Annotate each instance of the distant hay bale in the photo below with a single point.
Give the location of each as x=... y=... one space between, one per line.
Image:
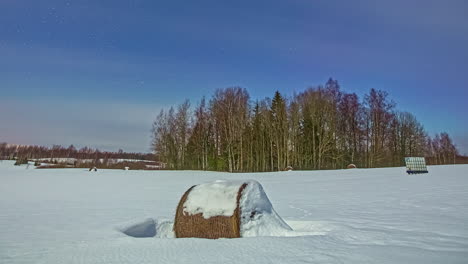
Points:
x=351 y=166
x=225 y=209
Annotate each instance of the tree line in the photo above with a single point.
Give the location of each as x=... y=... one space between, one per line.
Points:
x=322 y=127
x=13 y=151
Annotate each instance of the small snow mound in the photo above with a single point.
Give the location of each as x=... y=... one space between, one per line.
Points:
x=149 y=228
x=146 y=228
x=165 y=229
x=258 y=218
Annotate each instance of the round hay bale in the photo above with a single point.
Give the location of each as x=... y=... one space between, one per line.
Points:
x=227 y=209
x=351 y=166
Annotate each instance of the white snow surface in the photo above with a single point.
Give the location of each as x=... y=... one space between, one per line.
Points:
x=218 y=198
x=340 y=216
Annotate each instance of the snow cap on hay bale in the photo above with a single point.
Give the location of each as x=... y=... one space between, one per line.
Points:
x=351 y=166
x=227 y=209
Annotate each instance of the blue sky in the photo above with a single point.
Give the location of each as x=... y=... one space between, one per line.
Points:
x=97 y=72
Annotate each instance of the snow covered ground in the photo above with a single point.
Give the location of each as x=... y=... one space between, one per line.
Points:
x=344 y=216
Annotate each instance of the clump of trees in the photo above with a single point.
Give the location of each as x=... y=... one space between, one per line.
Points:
x=322 y=127
x=442 y=150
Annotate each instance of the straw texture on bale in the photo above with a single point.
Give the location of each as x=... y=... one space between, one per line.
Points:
x=196 y=225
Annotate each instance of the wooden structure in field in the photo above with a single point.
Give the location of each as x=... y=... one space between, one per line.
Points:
x=415 y=165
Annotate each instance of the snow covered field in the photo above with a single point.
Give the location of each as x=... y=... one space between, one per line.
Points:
x=345 y=216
